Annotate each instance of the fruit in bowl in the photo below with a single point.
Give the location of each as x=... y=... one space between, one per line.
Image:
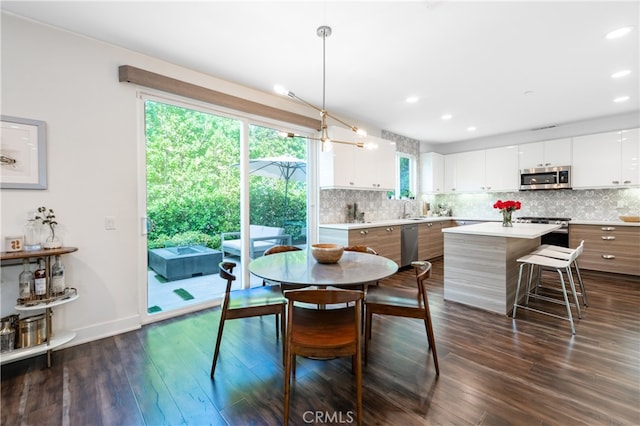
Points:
x=327 y=253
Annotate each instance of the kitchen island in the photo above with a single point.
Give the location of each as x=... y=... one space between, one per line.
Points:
x=480 y=262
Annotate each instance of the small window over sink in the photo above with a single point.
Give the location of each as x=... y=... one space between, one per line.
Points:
x=405 y=175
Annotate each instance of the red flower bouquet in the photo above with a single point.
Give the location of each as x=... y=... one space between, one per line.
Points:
x=506 y=208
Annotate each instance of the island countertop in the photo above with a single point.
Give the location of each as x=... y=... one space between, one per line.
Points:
x=495 y=229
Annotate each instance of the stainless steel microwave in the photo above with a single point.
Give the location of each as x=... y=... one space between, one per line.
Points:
x=545 y=178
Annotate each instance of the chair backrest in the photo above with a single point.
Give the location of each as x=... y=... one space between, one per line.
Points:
x=361 y=249
x=580 y=249
x=280 y=249
x=324 y=296
x=423 y=271
x=226 y=273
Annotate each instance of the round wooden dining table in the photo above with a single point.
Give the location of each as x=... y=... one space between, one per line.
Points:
x=300 y=268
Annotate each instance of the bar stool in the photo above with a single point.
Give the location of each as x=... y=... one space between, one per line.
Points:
x=562 y=266
x=564 y=253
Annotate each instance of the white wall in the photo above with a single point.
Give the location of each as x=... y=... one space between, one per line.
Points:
x=71 y=83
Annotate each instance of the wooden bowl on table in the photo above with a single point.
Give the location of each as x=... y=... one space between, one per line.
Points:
x=327 y=253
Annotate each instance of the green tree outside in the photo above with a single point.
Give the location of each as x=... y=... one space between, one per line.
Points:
x=193 y=191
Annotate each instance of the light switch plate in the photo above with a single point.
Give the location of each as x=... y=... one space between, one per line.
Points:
x=109 y=223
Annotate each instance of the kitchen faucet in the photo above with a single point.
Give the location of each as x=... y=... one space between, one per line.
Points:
x=404 y=208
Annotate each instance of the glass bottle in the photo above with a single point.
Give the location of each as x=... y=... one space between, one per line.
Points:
x=40 y=280
x=7 y=335
x=57 y=277
x=25 y=282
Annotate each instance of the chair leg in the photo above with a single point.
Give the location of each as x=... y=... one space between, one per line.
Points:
x=367 y=337
x=287 y=387
x=566 y=301
x=432 y=341
x=573 y=290
x=515 y=302
x=217 y=349
x=582 y=290
x=358 y=368
x=283 y=325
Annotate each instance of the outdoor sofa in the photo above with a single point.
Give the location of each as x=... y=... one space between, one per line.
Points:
x=260 y=239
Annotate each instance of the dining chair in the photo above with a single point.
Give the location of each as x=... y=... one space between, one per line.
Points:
x=250 y=302
x=561 y=266
x=279 y=249
x=362 y=249
x=400 y=302
x=330 y=332
x=564 y=253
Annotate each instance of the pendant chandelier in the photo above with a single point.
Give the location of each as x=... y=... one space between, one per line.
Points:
x=324 y=32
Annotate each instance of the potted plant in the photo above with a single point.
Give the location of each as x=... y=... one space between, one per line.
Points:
x=48 y=218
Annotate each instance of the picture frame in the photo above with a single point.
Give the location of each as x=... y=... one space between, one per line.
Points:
x=23 y=153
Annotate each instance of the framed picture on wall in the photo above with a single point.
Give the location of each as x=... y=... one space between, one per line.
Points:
x=23 y=153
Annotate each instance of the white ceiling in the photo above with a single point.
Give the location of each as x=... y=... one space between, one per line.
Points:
x=474 y=60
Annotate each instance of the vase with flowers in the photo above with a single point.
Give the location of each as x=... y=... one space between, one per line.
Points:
x=507 y=208
x=48 y=219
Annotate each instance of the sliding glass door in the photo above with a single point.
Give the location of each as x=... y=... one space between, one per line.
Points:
x=194 y=199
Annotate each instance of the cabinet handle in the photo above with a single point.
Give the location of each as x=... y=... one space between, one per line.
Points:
x=608 y=256
x=615 y=182
x=627 y=182
x=608 y=228
x=429 y=225
x=547 y=164
x=608 y=237
x=389 y=229
x=364 y=232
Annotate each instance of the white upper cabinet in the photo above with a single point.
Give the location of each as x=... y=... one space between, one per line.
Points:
x=450 y=166
x=493 y=169
x=501 y=169
x=431 y=173
x=550 y=153
x=470 y=168
x=606 y=160
x=350 y=167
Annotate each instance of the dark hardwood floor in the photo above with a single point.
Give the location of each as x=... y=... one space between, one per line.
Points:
x=494 y=371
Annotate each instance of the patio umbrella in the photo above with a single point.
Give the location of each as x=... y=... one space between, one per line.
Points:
x=283 y=167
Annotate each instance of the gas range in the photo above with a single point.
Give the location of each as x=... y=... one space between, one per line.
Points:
x=563 y=221
x=559 y=237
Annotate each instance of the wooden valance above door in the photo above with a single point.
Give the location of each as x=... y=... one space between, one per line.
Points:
x=141 y=77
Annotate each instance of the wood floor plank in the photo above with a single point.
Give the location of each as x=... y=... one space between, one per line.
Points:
x=495 y=370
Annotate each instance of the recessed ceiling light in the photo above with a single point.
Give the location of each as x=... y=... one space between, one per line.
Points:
x=622 y=73
x=471 y=129
x=618 y=33
x=621 y=99
x=447 y=117
x=412 y=99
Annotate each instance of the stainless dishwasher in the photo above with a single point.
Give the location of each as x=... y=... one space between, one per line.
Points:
x=409 y=244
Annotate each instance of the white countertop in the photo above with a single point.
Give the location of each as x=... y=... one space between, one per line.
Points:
x=389 y=222
x=495 y=229
x=400 y=222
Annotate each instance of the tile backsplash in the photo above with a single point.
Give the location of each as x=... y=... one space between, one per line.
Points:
x=591 y=204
